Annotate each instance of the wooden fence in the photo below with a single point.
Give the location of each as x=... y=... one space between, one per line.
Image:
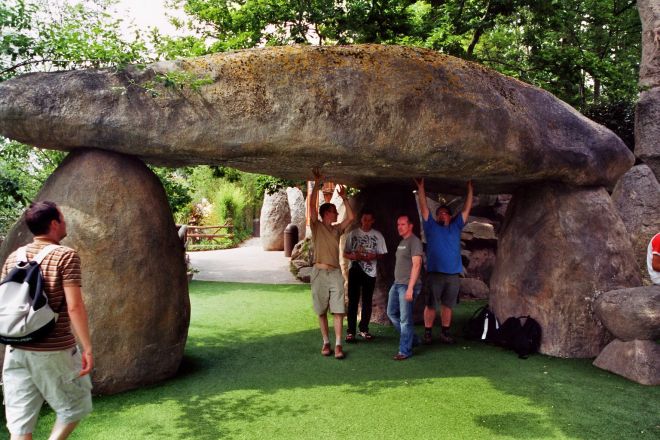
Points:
x=198 y=238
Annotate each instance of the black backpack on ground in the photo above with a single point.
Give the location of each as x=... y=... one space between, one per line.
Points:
x=521 y=334
x=482 y=326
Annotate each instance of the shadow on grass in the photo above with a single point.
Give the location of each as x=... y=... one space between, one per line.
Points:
x=230 y=374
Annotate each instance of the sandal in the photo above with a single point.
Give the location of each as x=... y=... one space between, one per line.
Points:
x=350 y=337
x=366 y=336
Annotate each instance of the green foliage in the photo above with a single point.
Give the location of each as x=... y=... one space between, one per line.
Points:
x=581 y=51
x=38 y=35
x=617 y=116
x=230 y=204
x=176 y=189
x=177 y=80
x=23 y=171
x=271 y=184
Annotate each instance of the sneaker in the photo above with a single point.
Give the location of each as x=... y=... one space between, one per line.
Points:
x=339 y=353
x=325 y=351
x=350 y=337
x=400 y=357
x=366 y=336
x=446 y=339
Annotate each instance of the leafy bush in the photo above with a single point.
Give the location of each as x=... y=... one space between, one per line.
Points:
x=230 y=202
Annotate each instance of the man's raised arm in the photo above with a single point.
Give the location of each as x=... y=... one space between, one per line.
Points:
x=421 y=196
x=350 y=216
x=467 y=206
x=313 y=196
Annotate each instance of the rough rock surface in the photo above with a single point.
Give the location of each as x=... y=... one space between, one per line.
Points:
x=647 y=129
x=296 y=201
x=647 y=115
x=275 y=216
x=631 y=313
x=638 y=361
x=649 y=69
x=368 y=114
x=637 y=198
x=133 y=271
x=473 y=288
x=559 y=248
x=481 y=263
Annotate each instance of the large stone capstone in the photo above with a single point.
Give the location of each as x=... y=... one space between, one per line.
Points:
x=559 y=249
x=368 y=114
x=133 y=272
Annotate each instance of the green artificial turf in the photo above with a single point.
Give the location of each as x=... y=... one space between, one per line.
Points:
x=253 y=370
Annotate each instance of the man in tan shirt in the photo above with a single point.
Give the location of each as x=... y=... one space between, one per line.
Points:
x=327 y=280
x=52 y=369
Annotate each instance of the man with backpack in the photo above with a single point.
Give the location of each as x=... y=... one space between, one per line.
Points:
x=444 y=263
x=51 y=369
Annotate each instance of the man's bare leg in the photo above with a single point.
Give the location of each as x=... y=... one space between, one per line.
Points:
x=62 y=431
x=323 y=323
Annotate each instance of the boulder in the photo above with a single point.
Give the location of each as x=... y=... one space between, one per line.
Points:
x=647 y=129
x=649 y=69
x=632 y=313
x=478 y=229
x=481 y=262
x=275 y=216
x=647 y=115
x=559 y=248
x=297 y=209
x=636 y=360
x=473 y=288
x=133 y=268
x=302 y=255
x=370 y=114
x=637 y=198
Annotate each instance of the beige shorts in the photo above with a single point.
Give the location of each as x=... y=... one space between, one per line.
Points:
x=32 y=377
x=327 y=291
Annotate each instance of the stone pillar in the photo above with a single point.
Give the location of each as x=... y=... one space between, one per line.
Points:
x=297 y=209
x=133 y=269
x=275 y=215
x=647 y=115
x=559 y=248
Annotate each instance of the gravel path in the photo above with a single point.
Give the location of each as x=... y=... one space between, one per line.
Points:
x=248 y=263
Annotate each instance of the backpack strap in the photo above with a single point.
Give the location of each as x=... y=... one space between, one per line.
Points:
x=21 y=255
x=45 y=251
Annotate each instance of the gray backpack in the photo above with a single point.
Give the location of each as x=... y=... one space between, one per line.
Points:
x=25 y=315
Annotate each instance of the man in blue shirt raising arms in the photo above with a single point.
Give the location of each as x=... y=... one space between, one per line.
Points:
x=443 y=262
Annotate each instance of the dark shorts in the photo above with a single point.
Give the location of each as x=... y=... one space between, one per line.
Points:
x=442 y=288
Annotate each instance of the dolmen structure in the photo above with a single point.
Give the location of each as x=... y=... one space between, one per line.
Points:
x=370 y=116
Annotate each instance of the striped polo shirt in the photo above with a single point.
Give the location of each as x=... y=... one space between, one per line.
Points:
x=60 y=268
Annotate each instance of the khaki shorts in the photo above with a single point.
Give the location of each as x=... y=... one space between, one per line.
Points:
x=32 y=377
x=327 y=291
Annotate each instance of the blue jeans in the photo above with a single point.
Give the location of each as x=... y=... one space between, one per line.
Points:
x=400 y=313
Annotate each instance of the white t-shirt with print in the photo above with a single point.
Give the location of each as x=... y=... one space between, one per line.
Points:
x=371 y=242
